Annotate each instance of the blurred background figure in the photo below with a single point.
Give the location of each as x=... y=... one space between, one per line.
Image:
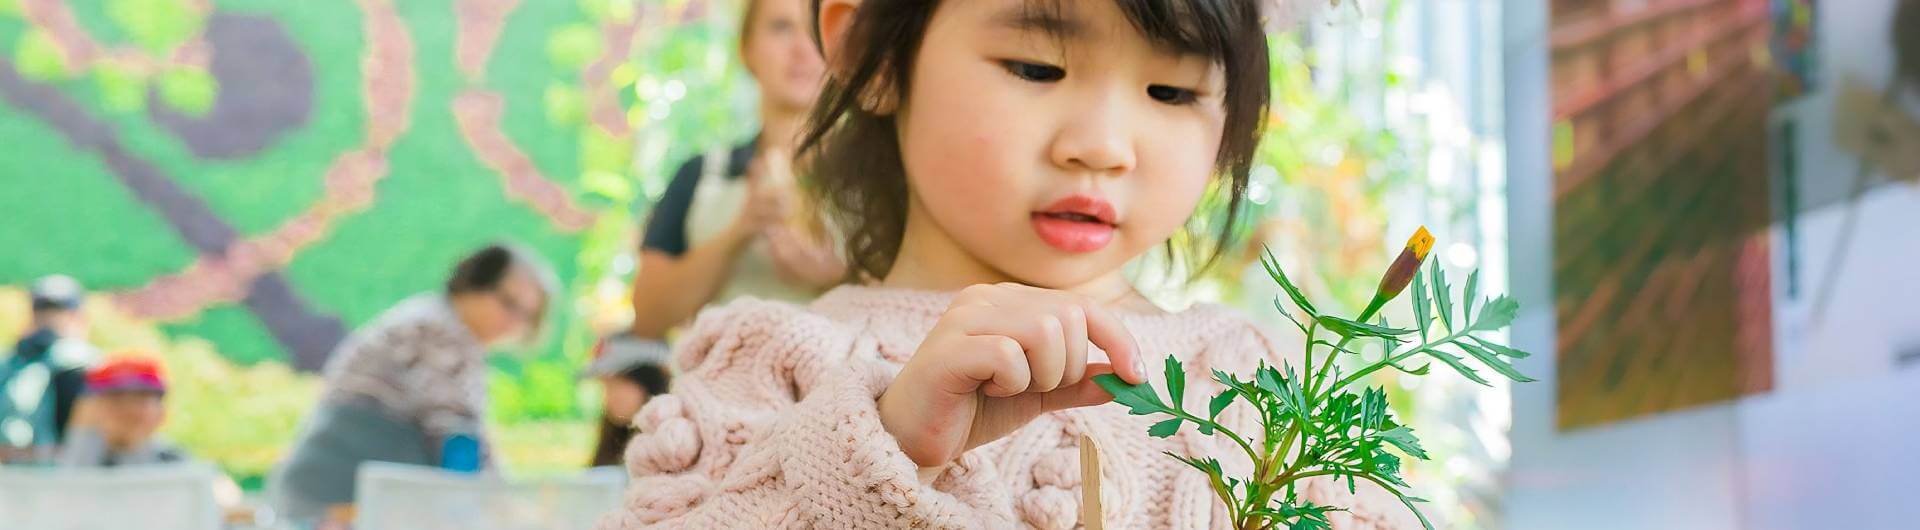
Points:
x=115 y=423
x=631 y=371
x=46 y=372
x=410 y=386
x=735 y=223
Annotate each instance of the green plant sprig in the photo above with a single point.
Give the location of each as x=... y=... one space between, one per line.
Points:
x=1313 y=423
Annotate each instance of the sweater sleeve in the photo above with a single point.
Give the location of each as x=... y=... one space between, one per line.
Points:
x=1368 y=506
x=772 y=423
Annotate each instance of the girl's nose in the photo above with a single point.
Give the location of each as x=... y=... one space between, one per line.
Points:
x=1095 y=138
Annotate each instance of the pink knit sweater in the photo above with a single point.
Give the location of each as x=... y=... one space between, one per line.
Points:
x=772 y=424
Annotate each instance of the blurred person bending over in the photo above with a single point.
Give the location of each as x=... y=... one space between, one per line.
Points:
x=410 y=386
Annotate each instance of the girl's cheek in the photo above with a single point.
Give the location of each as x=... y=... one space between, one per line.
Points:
x=1173 y=178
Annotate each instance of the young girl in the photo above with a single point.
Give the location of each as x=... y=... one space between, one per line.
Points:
x=994 y=163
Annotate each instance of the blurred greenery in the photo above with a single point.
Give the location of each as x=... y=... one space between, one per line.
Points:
x=38 y=58
x=188 y=90
x=158 y=26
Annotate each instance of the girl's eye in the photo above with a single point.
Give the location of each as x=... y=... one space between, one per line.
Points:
x=1171 y=95
x=1038 y=73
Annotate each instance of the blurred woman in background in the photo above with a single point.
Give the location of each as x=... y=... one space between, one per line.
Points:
x=737 y=224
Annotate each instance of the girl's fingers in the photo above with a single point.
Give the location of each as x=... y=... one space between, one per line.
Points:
x=1073 y=327
x=1046 y=353
x=1104 y=329
x=1039 y=336
x=996 y=365
x=1085 y=393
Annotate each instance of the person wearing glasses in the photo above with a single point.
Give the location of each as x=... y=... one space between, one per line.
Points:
x=410 y=386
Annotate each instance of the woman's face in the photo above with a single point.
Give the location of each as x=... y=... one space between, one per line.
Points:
x=507 y=313
x=780 y=54
x=622 y=398
x=1050 y=149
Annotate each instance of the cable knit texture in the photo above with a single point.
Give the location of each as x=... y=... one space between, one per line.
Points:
x=772 y=424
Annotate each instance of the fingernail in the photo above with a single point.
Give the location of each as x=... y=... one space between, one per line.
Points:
x=1140 y=368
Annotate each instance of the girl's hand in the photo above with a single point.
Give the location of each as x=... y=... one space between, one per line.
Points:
x=1000 y=356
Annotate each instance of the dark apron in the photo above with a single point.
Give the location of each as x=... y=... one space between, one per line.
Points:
x=320 y=471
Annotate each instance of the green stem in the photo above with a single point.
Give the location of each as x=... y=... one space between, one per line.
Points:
x=1271 y=482
x=1314 y=329
x=1286 y=443
x=1320 y=375
x=1312 y=474
x=1251 y=454
x=1372 y=307
x=1264 y=492
x=1349 y=379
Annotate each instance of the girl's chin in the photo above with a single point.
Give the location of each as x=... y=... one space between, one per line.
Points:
x=1062 y=271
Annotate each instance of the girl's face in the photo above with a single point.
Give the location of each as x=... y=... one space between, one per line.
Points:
x=1051 y=146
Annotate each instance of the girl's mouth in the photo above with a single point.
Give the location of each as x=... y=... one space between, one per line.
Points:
x=1077 y=224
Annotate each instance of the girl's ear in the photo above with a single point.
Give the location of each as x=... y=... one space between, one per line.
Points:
x=836 y=22
x=835 y=19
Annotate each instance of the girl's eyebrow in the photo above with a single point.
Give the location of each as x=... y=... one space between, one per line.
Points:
x=1023 y=18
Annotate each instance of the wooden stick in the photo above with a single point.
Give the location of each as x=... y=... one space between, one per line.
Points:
x=1090 y=484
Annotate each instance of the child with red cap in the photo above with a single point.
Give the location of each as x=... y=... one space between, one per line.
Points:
x=122 y=409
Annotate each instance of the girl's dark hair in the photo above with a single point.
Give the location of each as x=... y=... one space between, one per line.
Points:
x=854 y=153
x=614 y=435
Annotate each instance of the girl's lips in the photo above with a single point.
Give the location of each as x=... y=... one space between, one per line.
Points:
x=1084 y=205
x=1070 y=235
x=1077 y=223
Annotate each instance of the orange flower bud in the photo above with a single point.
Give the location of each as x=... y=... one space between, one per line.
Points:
x=1401 y=272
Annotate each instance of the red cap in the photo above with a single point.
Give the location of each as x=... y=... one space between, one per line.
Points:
x=127 y=373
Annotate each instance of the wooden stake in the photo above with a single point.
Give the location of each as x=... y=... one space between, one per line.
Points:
x=1090 y=511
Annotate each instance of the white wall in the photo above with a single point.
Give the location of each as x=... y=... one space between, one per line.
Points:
x=1836 y=444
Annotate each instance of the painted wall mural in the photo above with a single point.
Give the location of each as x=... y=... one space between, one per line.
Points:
x=1661 y=202
x=268 y=174
x=245 y=181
